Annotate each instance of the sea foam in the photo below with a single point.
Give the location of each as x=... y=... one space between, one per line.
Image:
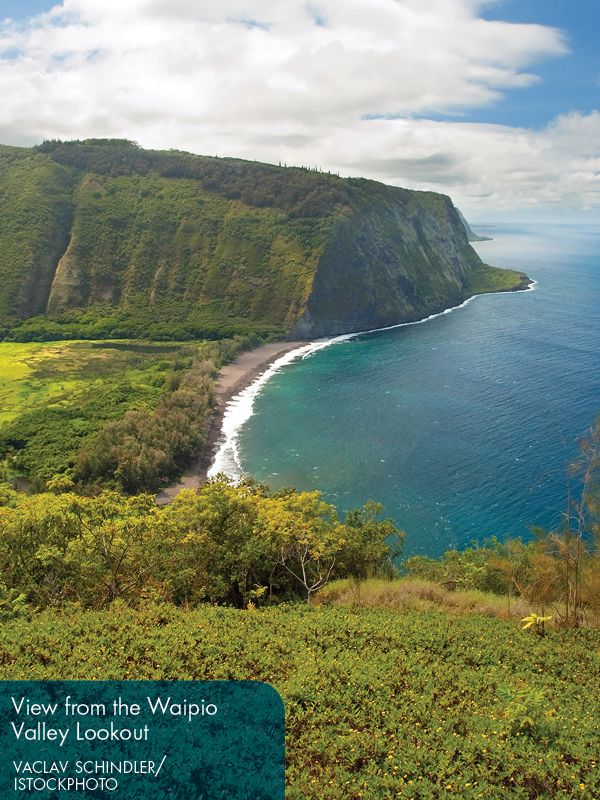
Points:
x=240 y=408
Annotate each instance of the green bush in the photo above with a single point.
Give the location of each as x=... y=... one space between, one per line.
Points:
x=227 y=544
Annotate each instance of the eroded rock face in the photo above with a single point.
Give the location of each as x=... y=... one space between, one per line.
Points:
x=211 y=247
x=397 y=257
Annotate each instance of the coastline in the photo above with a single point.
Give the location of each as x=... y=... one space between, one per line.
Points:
x=232 y=379
x=248 y=367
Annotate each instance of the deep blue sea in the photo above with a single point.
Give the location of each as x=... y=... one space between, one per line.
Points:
x=458 y=425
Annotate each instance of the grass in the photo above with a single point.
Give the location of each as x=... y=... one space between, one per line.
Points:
x=40 y=374
x=416 y=594
x=19 y=389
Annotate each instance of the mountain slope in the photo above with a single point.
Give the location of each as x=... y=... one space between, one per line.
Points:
x=103 y=239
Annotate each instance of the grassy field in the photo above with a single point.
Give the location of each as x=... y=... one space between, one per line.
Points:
x=58 y=373
x=57 y=398
x=20 y=389
x=380 y=703
x=416 y=594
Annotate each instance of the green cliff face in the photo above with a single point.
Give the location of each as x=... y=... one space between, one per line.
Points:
x=36 y=213
x=397 y=256
x=101 y=238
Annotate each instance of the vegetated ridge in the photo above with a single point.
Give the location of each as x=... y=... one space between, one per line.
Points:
x=471 y=236
x=102 y=239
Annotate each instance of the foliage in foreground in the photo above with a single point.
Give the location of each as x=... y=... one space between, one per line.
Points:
x=379 y=704
x=225 y=543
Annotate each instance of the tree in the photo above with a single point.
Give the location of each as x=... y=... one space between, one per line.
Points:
x=220 y=555
x=225 y=543
x=120 y=543
x=61 y=547
x=303 y=536
x=371 y=545
x=567 y=568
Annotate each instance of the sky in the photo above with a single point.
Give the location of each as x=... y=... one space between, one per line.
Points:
x=494 y=102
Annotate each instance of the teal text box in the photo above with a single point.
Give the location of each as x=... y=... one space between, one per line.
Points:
x=136 y=740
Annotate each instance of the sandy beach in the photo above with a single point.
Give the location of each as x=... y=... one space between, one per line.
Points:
x=233 y=378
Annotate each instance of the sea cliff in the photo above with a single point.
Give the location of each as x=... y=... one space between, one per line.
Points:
x=102 y=239
x=396 y=256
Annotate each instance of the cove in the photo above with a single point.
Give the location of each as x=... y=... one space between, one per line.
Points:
x=460 y=425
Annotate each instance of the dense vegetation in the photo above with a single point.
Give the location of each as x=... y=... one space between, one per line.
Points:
x=103 y=240
x=145 y=448
x=159 y=229
x=379 y=704
x=225 y=544
x=297 y=192
x=127 y=416
x=36 y=215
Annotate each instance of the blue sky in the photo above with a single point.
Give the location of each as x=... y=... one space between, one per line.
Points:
x=18 y=9
x=495 y=103
x=568 y=82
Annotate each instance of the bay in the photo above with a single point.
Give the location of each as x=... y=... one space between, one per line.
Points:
x=460 y=425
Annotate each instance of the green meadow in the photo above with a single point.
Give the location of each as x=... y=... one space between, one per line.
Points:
x=33 y=375
x=145 y=403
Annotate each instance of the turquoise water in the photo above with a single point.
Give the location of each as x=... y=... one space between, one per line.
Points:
x=457 y=424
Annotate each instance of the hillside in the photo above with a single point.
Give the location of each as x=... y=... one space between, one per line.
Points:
x=102 y=239
x=471 y=236
x=379 y=704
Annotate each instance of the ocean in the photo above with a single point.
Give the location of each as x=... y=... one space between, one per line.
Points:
x=461 y=425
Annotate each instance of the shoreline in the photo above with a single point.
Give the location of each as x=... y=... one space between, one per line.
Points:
x=247 y=367
x=233 y=378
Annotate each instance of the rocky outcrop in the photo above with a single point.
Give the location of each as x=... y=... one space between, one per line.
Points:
x=397 y=256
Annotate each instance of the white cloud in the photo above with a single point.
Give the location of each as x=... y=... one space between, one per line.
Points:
x=330 y=82
x=492 y=165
